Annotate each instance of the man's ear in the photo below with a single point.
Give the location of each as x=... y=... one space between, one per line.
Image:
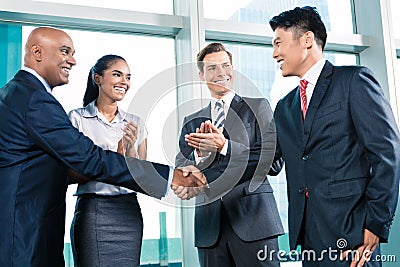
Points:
x=201 y=75
x=309 y=39
x=36 y=51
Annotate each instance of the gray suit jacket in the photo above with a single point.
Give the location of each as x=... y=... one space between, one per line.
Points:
x=253 y=215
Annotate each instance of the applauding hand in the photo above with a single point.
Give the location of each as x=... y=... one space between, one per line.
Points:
x=126 y=146
x=206 y=139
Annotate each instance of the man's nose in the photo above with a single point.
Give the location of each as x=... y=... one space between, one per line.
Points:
x=219 y=70
x=275 y=53
x=71 y=60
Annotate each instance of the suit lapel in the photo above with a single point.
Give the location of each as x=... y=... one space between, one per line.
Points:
x=318 y=94
x=233 y=113
x=205 y=112
x=296 y=116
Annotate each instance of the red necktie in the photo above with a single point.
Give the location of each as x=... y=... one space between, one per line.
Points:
x=303 y=97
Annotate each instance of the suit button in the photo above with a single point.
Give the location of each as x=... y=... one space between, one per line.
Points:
x=305 y=157
x=302 y=191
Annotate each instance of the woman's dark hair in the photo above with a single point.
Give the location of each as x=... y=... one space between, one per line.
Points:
x=300 y=20
x=102 y=64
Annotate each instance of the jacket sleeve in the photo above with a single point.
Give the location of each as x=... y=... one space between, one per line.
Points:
x=278 y=162
x=377 y=130
x=51 y=130
x=248 y=160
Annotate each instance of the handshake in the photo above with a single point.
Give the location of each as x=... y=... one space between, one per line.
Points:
x=188 y=182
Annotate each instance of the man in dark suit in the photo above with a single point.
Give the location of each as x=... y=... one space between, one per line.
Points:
x=38 y=144
x=233 y=222
x=340 y=143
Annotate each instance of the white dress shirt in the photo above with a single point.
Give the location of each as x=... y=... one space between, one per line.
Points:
x=311 y=76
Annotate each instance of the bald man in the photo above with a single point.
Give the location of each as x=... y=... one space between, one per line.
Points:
x=37 y=146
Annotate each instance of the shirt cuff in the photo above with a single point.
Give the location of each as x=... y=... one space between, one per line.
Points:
x=170 y=176
x=224 y=149
x=199 y=159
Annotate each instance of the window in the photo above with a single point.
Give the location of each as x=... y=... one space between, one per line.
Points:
x=394 y=7
x=154 y=6
x=256 y=62
x=336 y=14
x=244 y=31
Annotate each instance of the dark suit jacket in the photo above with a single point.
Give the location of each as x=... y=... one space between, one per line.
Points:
x=250 y=131
x=37 y=144
x=347 y=154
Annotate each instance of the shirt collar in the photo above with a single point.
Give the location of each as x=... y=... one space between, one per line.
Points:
x=34 y=73
x=226 y=98
x=91 y=110
x=313 y=73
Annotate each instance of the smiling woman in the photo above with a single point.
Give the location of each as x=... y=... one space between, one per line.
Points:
x=112 y=82
x=108 y=225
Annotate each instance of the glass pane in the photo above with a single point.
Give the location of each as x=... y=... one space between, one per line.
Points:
x=152 y=6
x=395 y=6
x=143 y=54
x=336 y=14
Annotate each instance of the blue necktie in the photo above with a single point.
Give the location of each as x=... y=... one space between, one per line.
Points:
x=220 y=118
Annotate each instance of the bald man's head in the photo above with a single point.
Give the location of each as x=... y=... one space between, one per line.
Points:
x=49 y=52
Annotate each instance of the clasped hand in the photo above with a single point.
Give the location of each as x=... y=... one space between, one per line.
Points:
x=205 y=140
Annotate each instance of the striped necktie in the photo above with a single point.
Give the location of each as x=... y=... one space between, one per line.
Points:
x=220 y=114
